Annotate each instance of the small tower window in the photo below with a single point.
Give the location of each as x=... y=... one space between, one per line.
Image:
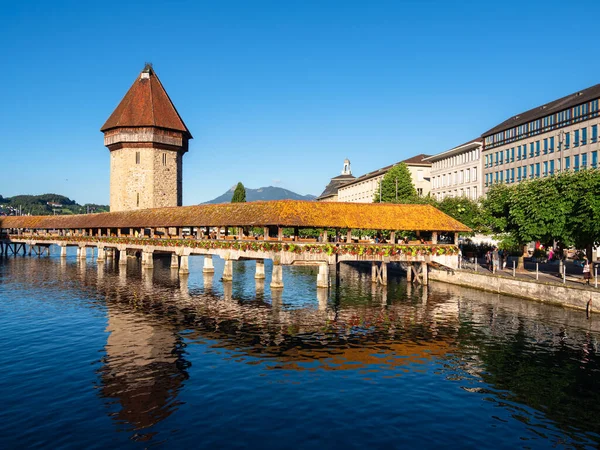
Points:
x=164 y=157
x=137 y=157
x=138 y=200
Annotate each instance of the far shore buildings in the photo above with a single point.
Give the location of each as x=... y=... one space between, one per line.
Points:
x=557 y=136
x=363 y=188
x=457 y=172
x=330 y=194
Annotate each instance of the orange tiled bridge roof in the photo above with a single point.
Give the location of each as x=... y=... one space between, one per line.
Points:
x=285 y=213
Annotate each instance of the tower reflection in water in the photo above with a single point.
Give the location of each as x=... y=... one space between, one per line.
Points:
x=144 y=367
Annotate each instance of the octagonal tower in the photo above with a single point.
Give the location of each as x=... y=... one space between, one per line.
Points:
x=147 y=140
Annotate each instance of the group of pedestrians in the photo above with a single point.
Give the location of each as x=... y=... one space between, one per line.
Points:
x=495 y=259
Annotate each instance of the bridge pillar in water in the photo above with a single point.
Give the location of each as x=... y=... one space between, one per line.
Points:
x=174 y=261
x=63 y=251
x=184 y=266
x=208 y=264
x=260 y=269
x=277 y=276
x=323 y=276
x=424 y=274
x=100 y=269
x=228 y=270
x=101 y=256
x=208 y=281
x=379 y=273
x=82 y=252
x=322 y=299
x=148 y=259
x=122 y=257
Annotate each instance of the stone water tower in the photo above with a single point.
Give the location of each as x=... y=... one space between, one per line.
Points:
x=147 y=140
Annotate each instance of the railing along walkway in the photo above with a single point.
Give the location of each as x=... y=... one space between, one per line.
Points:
x=546 y=272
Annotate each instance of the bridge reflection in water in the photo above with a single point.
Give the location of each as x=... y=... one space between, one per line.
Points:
x=163 y=328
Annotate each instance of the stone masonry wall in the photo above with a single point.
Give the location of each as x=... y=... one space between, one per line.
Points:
x=149 y=184
x=553 y=293
x=166 y=186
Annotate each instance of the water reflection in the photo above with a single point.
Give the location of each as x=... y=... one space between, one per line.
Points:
x=538 y=365
x=143 y=369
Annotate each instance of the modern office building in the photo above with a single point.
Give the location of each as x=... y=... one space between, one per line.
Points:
x=363 y=188
x=457 y=172
x=560 y=135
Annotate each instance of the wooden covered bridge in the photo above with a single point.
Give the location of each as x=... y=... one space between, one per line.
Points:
x=273 y=230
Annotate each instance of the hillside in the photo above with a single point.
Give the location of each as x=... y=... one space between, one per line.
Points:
x=45 y=204
x=263 y=193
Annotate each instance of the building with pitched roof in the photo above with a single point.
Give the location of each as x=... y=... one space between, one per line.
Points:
x=147 y=140
x=560 y=135
x=363 y=188
x=330 y=194
x=457 y=172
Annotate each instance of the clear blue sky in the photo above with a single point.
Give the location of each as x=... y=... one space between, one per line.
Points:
x=277 y=92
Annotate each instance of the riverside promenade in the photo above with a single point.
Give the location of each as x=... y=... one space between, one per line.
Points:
x=543 y=282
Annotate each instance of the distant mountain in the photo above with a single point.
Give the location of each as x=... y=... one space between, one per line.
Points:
x=263 y=193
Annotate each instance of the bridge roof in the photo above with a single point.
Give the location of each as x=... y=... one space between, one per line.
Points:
x=287 y=213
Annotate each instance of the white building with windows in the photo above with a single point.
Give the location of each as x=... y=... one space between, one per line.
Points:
x=457 y=172
x=560 y=135
x=363 y=188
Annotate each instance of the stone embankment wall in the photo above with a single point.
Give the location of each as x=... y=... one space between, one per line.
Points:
x=551 y=293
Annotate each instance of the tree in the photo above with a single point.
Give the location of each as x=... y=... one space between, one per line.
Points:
x=239 y=195
x=579 y=191
x=564 y=207
x=464 y=210
x=396 y=186
x=496 y=212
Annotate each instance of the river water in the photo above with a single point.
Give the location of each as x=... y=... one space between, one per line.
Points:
x=93 y=357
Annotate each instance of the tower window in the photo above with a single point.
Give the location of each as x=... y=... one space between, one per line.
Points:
x=164 y=157
x=137 y=157
x=138 y=200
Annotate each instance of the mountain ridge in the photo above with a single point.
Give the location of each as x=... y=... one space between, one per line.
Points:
x=262 y=193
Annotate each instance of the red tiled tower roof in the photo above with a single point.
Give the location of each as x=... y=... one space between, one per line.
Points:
x=146 y=104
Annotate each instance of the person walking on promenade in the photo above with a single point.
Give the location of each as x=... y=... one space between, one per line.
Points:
x=495 y=260
x=488 y=260
x=587 y=270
